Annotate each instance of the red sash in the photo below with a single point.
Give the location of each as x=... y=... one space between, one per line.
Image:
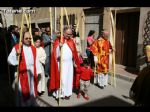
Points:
x=55 y=77
x=23 y=76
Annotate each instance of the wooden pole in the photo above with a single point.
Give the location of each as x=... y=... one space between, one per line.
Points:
x=28 y=24
x=67 y=16
x=20 y=40
x=83 y=25
x=95 y=73
x=75 y=19
x=20 y=45
x=113 y=55
x=61 y=41
x=55 y=19
x=112 y=22
x=30 y=30
x=51 y=29
x=51 y=25
x=28 y=21
x=4 y=23
x=15 y=20
x=114 y=63
x=112 y=27
x=77 y=27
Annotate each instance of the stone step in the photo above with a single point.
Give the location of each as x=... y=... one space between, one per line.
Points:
x=42 y=103
x=125 y=77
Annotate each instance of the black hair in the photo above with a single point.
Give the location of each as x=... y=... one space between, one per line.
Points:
x=11 y=28
x=35 y=30
x=77 y=34
x=74 y=34
x=37 y=38
x=101 y=33
x=99 y=36
x=86 y=62
x=91 y=32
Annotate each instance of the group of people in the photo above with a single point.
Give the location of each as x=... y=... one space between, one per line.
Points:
x=60 y=59
x=33 y=64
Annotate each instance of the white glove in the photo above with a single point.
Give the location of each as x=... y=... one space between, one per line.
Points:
x=95 y=59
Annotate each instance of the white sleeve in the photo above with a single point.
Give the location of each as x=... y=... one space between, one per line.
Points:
x=12 y=58
x=95 y=59
x=43 y=56
x=80 y=45
x=57 y=52
x=38 y=65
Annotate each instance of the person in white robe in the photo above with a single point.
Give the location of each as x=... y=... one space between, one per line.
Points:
x=31 y=60
x=68 y=57
x=67 y=71
x=42 y=57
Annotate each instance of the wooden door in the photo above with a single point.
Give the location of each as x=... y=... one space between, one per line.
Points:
x=127 y=28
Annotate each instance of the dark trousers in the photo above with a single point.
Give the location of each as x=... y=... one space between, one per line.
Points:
x=148 y=63
x=12 y=72
x=47 y=66
x=90 y=58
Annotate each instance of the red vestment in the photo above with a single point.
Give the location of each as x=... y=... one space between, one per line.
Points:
x=55 y=75
x=86 y=73
x=100 y=48
x=23 y=76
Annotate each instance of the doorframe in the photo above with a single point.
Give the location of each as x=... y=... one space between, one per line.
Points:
x=128 y=11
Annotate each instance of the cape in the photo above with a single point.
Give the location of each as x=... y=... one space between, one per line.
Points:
x=55 y=74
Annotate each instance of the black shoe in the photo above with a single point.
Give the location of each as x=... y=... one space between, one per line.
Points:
x=62 y=98
x=102 y=87
x=40 y=94
x=67 y=98
x=46 y=75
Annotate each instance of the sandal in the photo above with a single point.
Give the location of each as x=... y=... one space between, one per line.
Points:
x=78 y=96
x=86 y=97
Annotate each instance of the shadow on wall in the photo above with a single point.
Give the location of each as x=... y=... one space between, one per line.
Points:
x=108 y=101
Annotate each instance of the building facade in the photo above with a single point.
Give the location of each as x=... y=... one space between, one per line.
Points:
x=130 y=27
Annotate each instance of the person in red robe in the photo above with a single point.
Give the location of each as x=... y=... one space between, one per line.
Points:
x=69 y=59
x=84 y=80
x=29 y=69
x=101 y=50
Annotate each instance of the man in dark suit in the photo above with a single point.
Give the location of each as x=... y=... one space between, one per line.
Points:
x=47 y=41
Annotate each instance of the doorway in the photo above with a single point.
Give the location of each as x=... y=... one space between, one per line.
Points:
x=127 y=28
x=93 y=21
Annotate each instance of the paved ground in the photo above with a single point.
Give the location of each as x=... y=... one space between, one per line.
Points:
x=109 y=96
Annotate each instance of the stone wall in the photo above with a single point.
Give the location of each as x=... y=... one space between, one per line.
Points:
x=140 y=55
